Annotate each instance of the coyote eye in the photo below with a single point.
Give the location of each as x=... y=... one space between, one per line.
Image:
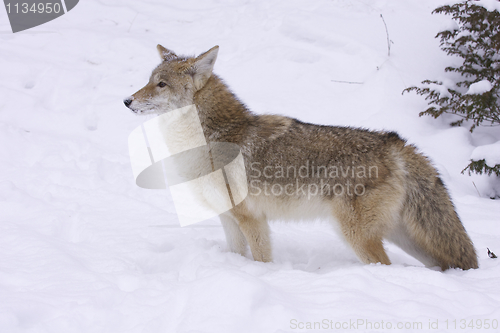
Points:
x=162 y=84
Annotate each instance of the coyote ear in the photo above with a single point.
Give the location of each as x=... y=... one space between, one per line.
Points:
x=165 y=54
x=203 y=65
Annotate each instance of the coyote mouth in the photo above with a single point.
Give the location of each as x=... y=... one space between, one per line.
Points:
x=144 y=112
x=139 y=111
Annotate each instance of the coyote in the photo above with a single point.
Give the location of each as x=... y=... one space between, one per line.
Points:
x=372 y=185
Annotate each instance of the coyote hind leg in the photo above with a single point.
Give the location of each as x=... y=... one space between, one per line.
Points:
x=364 y=232
x=368 y=246
x=369 y=249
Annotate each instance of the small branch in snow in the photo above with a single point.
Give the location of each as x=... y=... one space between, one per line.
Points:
x=179 y=227
x=476 y=189
x=132 y=23
x=388 y=38
x=348 y=82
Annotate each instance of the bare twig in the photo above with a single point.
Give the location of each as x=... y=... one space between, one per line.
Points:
x=348 y=82
x=388 y=39
x=476 y=188
x=132 y=23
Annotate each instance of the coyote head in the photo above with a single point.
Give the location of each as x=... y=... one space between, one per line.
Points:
x=173 y=83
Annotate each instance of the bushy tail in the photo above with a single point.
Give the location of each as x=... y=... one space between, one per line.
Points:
x=431 y=222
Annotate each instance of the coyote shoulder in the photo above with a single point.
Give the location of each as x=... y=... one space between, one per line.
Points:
x=372 y=184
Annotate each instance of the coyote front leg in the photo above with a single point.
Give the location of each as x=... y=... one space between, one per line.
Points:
x=236 y=241
x=256 y=232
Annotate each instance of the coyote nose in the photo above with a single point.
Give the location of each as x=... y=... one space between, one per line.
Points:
x=127 y=102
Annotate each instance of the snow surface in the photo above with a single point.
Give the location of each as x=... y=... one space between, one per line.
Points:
x=82 y=249
x=490 y=5
x=490 y=153
x=479 y=88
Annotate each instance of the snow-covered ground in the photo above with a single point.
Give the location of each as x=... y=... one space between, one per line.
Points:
x=82 y=249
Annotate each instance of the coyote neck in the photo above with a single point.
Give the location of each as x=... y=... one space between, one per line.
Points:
x=223 y=117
